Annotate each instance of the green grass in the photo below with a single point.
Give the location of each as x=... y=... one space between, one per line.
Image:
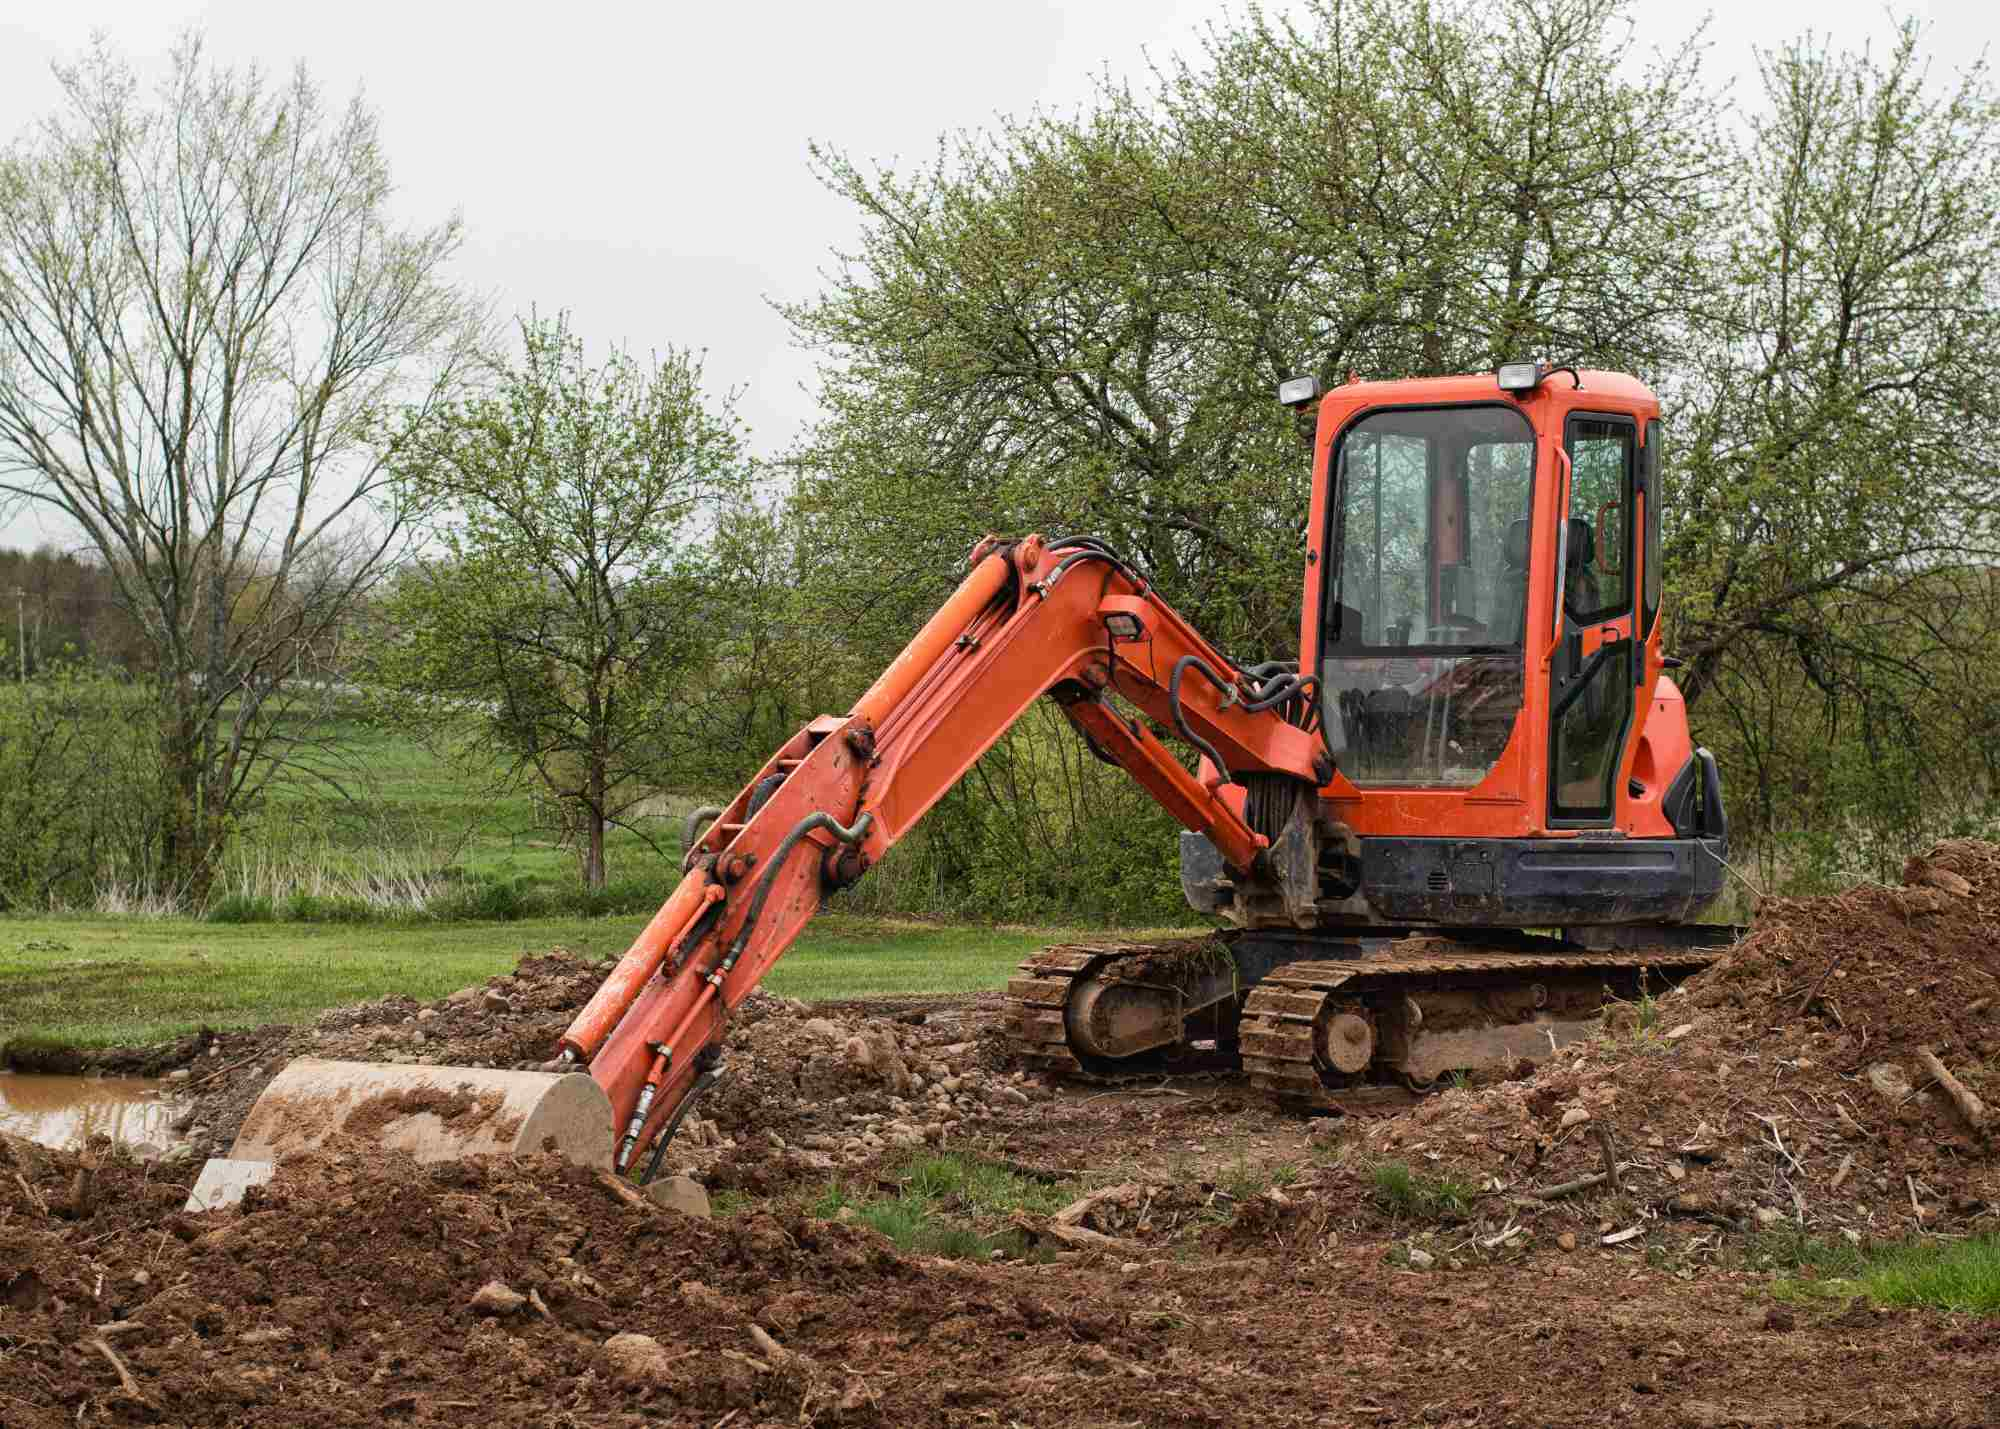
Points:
x=1957 y=1275
x=88 y=981
x=942 y=1203
x=1411 y=1195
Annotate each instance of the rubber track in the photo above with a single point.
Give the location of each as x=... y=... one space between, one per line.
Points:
x=1037 y=1035
x=1279 y=1017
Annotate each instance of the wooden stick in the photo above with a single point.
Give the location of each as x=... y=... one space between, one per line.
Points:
x=124 y=1375
x=1581 y=1183
x=1806 y=1006
x=1846 y=1166
x=1610 y=1154
x=34 y=1196
x=619 y=1189
x=1969 y=1105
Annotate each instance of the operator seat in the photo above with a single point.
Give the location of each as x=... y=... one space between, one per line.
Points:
x=1580 y=590
x=1510 y=594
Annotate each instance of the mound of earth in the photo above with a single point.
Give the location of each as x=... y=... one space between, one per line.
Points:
x=361 y=1289
x=807 y=1091
x=1786 y=1086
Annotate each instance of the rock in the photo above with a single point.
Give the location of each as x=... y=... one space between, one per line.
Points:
x=463 y=995
x=1567 y=1240
x=426 y=1014
x=823 y=1028
x=1575 y=1116
x=1766 y=1216
x=494 y=1002
x=1421 y=1259
x=493 y=1298
x=1918 y=873
x=679 y=1193
x=704 y=1298
x=1679 y=1032
x=1015 y=1095
x=1889 y=1081
x=179 y=1074
x=223 y=1181
x=638 y=1359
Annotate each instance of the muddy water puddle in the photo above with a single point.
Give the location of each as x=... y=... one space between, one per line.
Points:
x=64 y=1111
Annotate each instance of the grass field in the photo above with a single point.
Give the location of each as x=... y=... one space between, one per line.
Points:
x=97 y=982
x=390 y=790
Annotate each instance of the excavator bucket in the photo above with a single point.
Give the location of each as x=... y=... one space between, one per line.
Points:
x=433 y=1113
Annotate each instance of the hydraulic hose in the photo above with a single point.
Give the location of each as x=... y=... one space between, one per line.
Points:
x=1181 y=667
x=696 y=819
x=783 y=851
x=710 y=1075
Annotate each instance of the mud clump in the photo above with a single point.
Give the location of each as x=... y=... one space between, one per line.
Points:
x=1784 y=1087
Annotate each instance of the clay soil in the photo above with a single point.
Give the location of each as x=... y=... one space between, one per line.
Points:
x=1237 y=1266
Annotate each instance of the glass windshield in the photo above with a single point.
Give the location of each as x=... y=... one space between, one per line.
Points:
x=1427 y=603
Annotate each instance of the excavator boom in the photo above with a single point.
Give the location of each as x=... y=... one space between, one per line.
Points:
x=1065 y=618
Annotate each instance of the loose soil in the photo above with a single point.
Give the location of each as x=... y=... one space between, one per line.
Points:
x=1229 y=1265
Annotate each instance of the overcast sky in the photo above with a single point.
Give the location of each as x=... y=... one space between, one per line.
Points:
x=644 y=165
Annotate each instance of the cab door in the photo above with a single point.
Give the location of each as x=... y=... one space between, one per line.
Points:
x=1592 y=679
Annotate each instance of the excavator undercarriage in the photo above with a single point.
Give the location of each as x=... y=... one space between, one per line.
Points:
x=1315 y=1018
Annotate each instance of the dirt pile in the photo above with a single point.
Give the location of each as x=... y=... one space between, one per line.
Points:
x=807 y=1091
x=361 y=1289
x=1784 y=1087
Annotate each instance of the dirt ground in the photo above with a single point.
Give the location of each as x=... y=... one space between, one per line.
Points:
x=1231 y=1266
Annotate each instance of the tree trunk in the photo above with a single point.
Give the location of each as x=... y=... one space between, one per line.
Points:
x=593 y=815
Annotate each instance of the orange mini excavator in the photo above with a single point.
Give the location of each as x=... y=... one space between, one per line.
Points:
x=1468 y=814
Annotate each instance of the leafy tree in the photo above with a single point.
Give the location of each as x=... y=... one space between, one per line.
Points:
x=205 y=308
x=572 y=603
x=1078 y=322
x=1835 y=512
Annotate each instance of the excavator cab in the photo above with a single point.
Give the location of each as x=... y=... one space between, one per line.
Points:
x=1482 y=611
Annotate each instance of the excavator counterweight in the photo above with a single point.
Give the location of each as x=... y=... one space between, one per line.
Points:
x=1477 y=738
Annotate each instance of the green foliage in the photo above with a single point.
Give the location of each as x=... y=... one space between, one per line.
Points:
x=1962 y=1276
x=1413 y=1195
x=81 y=796
x=575 y=600
x=941 y=1199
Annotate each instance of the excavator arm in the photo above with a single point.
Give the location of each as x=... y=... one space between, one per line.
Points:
x=1067 y=619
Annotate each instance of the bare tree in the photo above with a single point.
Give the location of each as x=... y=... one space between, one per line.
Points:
x=206 y=312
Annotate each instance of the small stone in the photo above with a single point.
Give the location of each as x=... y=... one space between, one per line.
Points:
x=1130 y=1267
x=704 y=1298
x=1677 y=1171
x=493 y=1298
x=1575 y=1116
x=464 y=994
x=680 y=1193
x=179 y=1074
x=1015 y=1095
x=426 y=1014
x=1889 y=1081
x=1421 y=1259
x=1679 y=1032
x=638 y=1359
x=1766 y=1216
x=273 y=1336
x=494 y=1002
x=822 y=1028
x=1566 y=1241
